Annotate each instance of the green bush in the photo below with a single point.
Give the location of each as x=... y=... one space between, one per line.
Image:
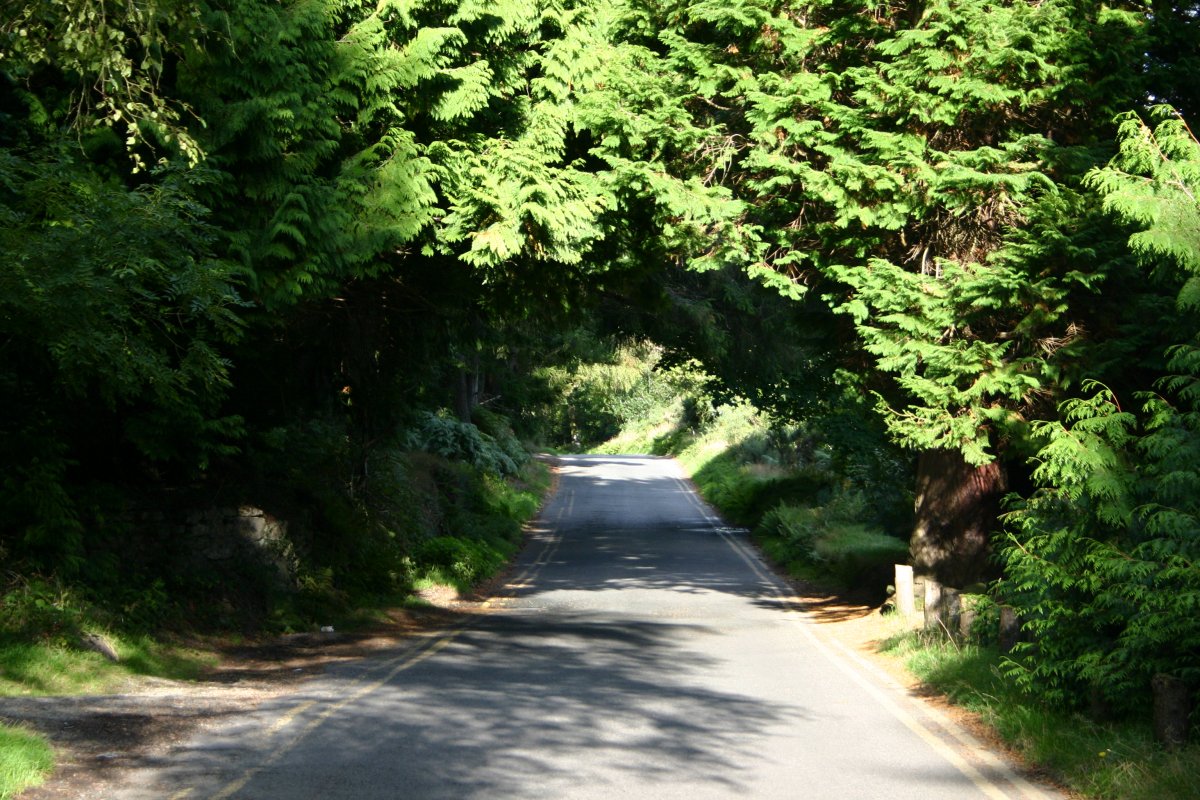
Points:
x=797 y=527
x=497 y=426
x=461 y=441
x=461 y=562
x=831 y=540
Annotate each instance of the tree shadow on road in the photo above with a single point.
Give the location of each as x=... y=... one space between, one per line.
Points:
x=514 y=703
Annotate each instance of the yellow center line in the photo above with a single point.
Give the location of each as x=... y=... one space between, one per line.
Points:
x=405 y=663
x=287 y=718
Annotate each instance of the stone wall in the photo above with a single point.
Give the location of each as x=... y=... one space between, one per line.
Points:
x=217 y=536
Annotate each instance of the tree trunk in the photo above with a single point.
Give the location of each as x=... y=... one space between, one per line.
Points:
x=956 y=510
x=1172 y=710
x=467 y=392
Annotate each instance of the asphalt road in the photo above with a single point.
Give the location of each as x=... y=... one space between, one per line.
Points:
x=641 y=651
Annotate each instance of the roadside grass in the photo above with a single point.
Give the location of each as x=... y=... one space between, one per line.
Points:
x=484 y=541
x=57 y=668
x=25 y=760
x=1108 y=760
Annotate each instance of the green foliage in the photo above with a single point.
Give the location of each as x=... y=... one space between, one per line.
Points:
x=112 y=345
x=896 y=161
x=1096 y=759
x=256 y=239
x=832 y=541
x=1103 y=558
x=115 y=54
x=462 y=441
x=25 y=760
x=1152 y=183
x=43 y=623
x=617 y=387
x=461 y=563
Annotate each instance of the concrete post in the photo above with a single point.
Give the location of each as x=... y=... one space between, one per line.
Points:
x=905 y=602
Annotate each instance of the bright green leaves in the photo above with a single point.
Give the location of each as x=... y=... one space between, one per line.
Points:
x=900 y=158
x=361 y=133
x=965 y=58
x=508 y=202
x=116 y=54
x=1104 y=558
x=960 y=388
x=1154 y=183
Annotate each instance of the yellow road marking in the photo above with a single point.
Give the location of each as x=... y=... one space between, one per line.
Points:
x=287 y=718
x=405 y=663
x=985 y=785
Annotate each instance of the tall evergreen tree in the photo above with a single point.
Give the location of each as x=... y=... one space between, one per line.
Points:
x=918 y=168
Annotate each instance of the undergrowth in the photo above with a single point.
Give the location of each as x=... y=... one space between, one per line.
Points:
x=55 y=667
x=1113 y=760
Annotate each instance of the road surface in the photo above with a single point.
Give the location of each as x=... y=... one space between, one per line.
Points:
x=641 y=650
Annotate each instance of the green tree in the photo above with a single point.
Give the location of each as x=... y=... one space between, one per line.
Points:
x=918 y=169
x=117 y=308
x=1103 y=558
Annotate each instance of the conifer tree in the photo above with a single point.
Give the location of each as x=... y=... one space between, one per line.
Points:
x=1103 y=558
x=919 y=169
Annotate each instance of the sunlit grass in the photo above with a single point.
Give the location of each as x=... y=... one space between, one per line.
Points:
x=1114 y=761
x=25 y=760
x=54 y=668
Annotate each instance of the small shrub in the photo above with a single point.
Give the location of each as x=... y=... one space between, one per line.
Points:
x=830 y=540
x=497 y=426
x=458 y=561
x=460 y=441
x=795 y=528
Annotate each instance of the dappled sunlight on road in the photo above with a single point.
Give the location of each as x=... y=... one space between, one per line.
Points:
x=639 y=648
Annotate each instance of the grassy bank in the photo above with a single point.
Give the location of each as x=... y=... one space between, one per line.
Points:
x=1112 y=760
x=25 y=760
x=435 y=520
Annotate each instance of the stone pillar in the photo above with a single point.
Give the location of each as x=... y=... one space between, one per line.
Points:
x=905 y=602
x=943 y=608
x=1010 y=629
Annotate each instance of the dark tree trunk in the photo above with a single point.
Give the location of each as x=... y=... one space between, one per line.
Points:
x=1172 y=710
x=467 y=392
x=956 y=510
x=468 y=385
